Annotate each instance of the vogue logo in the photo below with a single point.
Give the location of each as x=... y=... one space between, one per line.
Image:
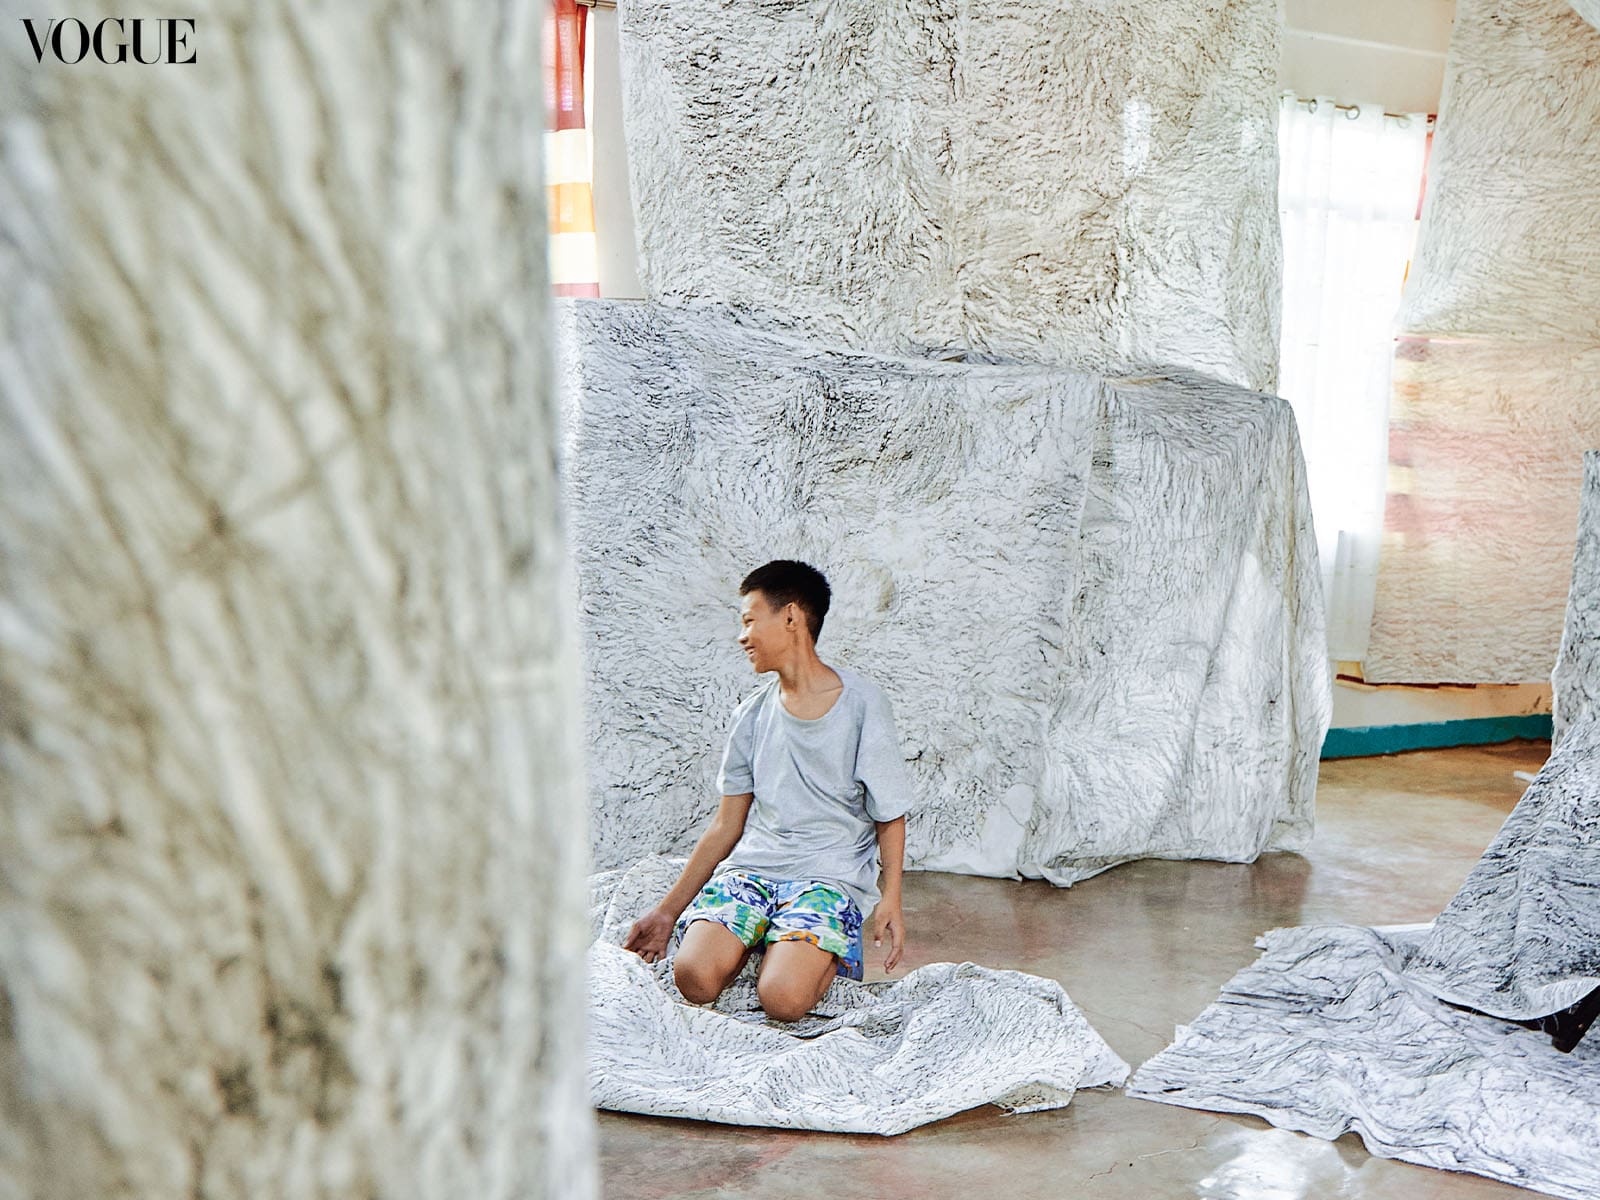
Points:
x=113 y=40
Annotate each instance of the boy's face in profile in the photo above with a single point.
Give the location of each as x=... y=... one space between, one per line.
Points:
x=763 y=635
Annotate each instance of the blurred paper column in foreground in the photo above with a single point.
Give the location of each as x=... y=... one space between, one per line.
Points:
x=291 y=843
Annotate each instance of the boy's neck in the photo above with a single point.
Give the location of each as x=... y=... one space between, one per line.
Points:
x=806 y=675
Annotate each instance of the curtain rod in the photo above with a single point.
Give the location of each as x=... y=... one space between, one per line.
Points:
x=597 y=3
x=1311 y=106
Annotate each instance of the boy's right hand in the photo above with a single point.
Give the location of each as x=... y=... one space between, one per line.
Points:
x=650 y=934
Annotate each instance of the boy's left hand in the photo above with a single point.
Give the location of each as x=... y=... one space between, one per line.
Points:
x=889 y=922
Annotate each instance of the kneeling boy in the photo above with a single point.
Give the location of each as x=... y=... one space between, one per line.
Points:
x=814 y=790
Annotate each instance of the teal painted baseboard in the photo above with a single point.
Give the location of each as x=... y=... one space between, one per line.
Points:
x=1365 y=740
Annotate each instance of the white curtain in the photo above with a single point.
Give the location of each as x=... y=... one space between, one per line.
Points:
x=1348 y=188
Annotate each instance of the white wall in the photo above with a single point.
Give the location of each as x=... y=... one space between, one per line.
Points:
x=1356 y=705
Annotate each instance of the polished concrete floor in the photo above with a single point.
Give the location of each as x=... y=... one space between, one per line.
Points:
x=1141 y=949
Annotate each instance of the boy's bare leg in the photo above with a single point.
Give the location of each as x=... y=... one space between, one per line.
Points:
x=709 y=956
x=794 y=978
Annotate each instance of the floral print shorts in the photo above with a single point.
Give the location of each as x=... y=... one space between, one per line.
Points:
x=758 y=910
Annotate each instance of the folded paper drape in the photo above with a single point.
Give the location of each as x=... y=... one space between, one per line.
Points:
x=1326 y=1034
x=1575 y=681
x=1522 y=936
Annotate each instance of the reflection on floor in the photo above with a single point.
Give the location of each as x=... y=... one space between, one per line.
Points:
x=1140 y=949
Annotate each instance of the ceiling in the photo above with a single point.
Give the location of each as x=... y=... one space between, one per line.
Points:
x=1390 y=52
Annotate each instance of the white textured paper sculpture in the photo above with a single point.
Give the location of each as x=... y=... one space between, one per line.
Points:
x=290 y=816
x=1497 y=375
x=1092 y=184
x=1325 y=1034
x=1486 y=448
x=1521 y=938
x=1094 y=603
x=1510 y=239
x=1576 y=679
x=872 y=1058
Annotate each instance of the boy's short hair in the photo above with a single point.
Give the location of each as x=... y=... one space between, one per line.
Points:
x=784 y=581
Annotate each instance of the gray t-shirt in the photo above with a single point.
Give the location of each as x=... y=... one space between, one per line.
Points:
x=819 y=786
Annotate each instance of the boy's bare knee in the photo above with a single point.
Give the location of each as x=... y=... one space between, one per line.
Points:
x=785 y=1011
x=783 y=1001
x=698 y=984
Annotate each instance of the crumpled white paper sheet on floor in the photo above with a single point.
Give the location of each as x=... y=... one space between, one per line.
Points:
x=1325 y=1033
x=874 y=1058
x=1094 y=603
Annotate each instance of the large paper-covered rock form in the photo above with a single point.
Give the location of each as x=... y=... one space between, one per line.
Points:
x=1521 y=938
x=1326 y=1033
x=1092 y=184
x=870 y=1058
x=290 y=809
x=1497 y=376
x=1510 y=239
x=1093 y=603
x=1576 y=678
